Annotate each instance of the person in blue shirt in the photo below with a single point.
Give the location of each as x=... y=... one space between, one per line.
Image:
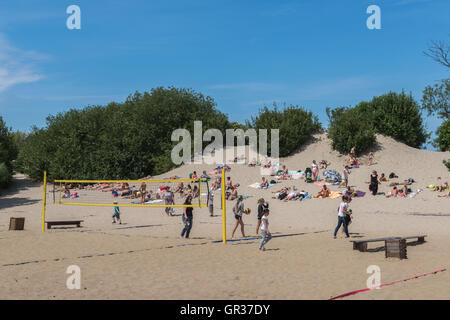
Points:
x=116 y=214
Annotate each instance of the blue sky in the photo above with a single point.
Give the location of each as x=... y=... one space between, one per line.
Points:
x=245 y=54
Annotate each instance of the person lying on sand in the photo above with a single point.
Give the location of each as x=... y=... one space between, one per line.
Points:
x=397 y=193
x=264 y=184
x=324 y=193
x=268 y=164
x=323 y=164
x=445 y=195
x=252 y=163
x=350 y=192
x=282 y=193
x=441 y=187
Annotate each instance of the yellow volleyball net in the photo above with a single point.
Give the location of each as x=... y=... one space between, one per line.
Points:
x=166 y=193
x=132 y=193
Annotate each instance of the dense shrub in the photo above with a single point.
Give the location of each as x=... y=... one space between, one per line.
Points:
x=5 y=176
x=443 y=136
x=8 y=152
x=397 y=116
x=118 y=141
x=296 y=126
x=394 y=115
x=447 y=164
x=349 y=128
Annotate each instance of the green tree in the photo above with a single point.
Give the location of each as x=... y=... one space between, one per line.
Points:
x=443 y=136
x=8 y=152
x=296 y=126
x=396 y=115
x=436 y=99
x=117 y=141
x=350 y=128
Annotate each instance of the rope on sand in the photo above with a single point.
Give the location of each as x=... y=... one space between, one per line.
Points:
x=385 y=284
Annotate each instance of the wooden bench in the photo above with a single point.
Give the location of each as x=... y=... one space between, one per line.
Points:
x=63 y=223
x=394 y=246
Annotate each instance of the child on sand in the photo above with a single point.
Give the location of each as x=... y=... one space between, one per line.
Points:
x=370 y=158
x=211 y=204
x=266 y=235
x=116 y=214
x=169 y=199
x=345 y=174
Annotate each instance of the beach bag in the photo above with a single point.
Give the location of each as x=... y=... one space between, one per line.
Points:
x=392 y=175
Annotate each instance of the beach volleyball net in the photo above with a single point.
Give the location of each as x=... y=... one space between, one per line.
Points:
x=128 y=193
x=131 y=193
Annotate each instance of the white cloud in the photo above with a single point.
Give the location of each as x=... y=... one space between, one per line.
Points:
x=17 y=66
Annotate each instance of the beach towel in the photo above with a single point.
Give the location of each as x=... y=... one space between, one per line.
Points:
x=360 y=193
x=243 y=197
x=335 y=194
x=319 y=183
x=148 y=202
x=256 y=185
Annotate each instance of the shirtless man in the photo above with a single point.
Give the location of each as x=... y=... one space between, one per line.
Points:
x=324 y=193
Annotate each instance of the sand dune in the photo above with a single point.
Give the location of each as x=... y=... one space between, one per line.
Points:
x=146 y=258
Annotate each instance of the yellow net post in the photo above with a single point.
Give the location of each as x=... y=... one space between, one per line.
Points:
x=44 y=198
x=224 y=211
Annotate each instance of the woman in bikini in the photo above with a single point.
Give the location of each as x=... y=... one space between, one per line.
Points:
x=238 y=211
x=315 y=170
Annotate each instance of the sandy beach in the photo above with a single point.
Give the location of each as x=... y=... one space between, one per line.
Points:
x=145 y=258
